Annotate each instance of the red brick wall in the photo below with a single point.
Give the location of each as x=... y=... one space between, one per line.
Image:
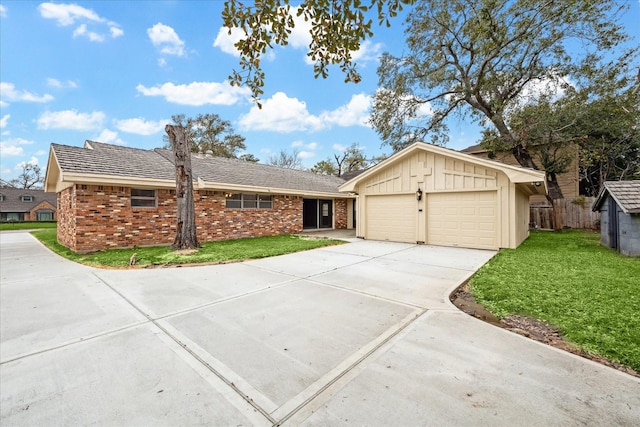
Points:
x=92 y=217
x=340 y=206
x=33 y=214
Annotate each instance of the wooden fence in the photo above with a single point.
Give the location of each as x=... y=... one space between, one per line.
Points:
x=575 y=213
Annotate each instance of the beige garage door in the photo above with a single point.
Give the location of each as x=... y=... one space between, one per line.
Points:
x=391 y=218
x=467 y=220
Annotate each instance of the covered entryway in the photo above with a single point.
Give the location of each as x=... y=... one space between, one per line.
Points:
x=467 y=219
x=391 y=217
x=317 y=213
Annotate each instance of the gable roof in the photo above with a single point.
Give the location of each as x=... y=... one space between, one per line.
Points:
x=110 y=164
x=625 y=193
x=12 y=200
x=516 y=174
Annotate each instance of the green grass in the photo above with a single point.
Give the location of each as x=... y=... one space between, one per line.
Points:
x=26 y=225
x=211 y=252
x=569 y=280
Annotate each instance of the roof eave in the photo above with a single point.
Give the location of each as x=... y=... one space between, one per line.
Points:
x=515 y=173
x=221 y=186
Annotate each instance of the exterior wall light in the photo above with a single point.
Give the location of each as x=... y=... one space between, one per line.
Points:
x=227 y=195
x=419 y=194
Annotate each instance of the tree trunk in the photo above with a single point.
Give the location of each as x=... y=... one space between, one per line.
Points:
x=525 y=159
x=186 y=237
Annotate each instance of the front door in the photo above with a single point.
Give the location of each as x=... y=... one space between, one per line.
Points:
x=317 y=213
x=326 y=214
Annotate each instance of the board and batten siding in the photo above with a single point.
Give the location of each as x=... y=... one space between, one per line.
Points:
x=435 y=173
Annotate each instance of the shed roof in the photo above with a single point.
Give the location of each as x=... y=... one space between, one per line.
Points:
x=625 y=193
x=106 y=163
x=12 y=199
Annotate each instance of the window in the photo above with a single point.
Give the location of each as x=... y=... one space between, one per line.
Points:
x=1 y=197
x=27 y=198
x=44 y=215
x=249 y=201
x=142 y=198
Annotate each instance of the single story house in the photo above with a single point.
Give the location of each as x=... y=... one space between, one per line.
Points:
x=433 y=195
x=112 y=196
x=18 y=204
x=619 y=205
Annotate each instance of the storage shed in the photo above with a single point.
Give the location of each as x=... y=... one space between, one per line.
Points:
x=619 y=206
x=433 y=195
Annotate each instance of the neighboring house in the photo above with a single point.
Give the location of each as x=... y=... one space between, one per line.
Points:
x=619 y=206
x=112 y=196
x=569 y=181
x=18 y=204
x=433 y=195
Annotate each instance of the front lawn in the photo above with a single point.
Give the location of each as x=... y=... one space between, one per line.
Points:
x=570 y=281
x=211 y=252
x=26 y=225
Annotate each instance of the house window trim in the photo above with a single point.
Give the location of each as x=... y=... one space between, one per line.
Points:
x=26 y=198
x=2 y=197
x=137 y=197
x=262 y=201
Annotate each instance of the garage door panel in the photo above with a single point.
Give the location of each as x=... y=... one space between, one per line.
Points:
x=391 y=217
x=463 y=219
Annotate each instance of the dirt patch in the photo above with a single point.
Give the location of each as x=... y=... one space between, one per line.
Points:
x=527 y=327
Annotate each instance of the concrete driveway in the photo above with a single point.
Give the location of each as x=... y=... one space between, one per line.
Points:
x=361 y=334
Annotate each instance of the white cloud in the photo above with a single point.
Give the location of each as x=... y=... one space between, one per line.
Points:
x=301 y=144
x=306 y=154
x=166 y=39
x=280 y=114
x=116 y=32
x=8 y=92
x=60 y=84
x=283 y=114
x=82 y=31
x=110 y=137
x=340 y=147
x=13 y=147
x=4 y=121
x=226 y=41
x=7 y=150
x=354 y=113
x=300 y=36
x=3 y=11
x=71 y=119
x=197 y=93
x=68 y=14
x=368 y=51
x=141 y=126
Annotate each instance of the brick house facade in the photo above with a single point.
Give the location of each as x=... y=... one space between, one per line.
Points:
x=17 y=204
x=94 y=216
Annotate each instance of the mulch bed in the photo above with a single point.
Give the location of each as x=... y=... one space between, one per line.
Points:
x=527 y=327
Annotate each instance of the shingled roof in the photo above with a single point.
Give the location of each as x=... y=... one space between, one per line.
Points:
x=12 y=199
x=625 y=193
x=214 y=172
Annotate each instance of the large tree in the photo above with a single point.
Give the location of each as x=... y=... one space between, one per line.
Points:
x=286 y=159
x=600 y=123
x=30 y=177
x=480 y=58
x=351 y=159
x=209 y=132
x=337 y=29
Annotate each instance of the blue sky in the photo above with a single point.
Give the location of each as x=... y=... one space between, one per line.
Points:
x=116 y=71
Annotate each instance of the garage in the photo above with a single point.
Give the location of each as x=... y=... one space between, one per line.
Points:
x=430 y=194
x=391 y=218
x=466 y=219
